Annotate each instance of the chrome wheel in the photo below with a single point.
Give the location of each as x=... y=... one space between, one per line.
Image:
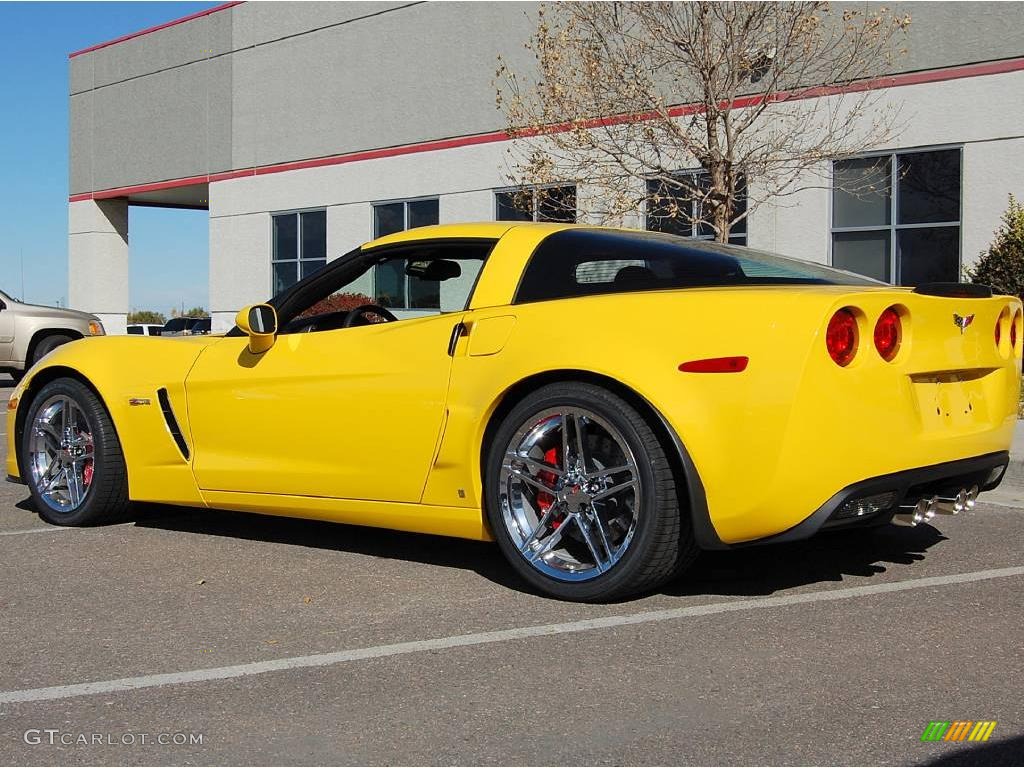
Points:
x=61 y=455
x=569 y=493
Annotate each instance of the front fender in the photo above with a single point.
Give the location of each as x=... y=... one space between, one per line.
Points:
x=125 y=372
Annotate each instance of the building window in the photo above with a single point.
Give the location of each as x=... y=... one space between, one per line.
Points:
x=536 y=204
x=896 y=217
x=392 y=286
x=678 y=209
x=300 y=246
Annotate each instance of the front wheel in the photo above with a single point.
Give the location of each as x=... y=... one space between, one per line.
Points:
x=72 y=457
x=581 y=496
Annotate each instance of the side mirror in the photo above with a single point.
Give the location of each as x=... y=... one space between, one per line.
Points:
x=260 y=323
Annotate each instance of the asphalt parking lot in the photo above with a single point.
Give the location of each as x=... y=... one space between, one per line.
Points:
x=289 y=642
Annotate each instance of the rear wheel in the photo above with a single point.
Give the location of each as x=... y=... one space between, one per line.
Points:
x=581 y=497
x=72 y=457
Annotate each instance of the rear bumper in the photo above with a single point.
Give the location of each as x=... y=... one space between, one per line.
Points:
x=947 y=478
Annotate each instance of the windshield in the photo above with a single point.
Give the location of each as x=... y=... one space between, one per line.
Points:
x=584 y=262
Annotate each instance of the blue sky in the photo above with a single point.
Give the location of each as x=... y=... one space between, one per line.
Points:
x=169 y=248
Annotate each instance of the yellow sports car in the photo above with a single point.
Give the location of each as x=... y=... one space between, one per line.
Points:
x=602 y=403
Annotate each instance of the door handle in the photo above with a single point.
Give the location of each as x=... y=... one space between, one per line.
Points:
x=458 y=332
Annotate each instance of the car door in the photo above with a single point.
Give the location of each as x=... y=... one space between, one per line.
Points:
x=353 y=413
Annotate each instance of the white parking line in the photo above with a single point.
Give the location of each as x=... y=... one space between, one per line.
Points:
x=60 y=528
x=51 y=529
x=486 y=638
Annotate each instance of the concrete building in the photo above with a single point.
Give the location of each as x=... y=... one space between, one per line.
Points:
x=308 y=128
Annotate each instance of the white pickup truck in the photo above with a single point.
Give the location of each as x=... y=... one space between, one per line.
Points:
x=29 y=331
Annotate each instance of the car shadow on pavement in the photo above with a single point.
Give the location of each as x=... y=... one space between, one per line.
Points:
x=746 y=571
x=478 y=556
x=1004 y=752
x=828 y=557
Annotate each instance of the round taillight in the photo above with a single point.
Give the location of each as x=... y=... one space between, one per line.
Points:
x=841 y=337
x=888 y=330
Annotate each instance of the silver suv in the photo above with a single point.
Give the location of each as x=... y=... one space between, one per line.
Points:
x=28 y=332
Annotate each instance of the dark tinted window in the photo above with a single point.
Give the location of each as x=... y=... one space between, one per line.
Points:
x=176 y=324
x=861 y=195
x=866 y=253
x=677 y=207
x=928 y=254
x=929 y=185
x=584 y=262
x=897 y=217
x=135 y=330
x=423 y=213
x=515 y=206
x=299 y=247
x=556 y=204
x=388 y=219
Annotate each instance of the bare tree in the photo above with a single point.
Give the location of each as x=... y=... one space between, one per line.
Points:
x=756 y=95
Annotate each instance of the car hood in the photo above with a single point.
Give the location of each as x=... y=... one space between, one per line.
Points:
x=40 y=310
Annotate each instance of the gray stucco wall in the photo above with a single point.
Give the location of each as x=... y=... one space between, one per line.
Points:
x=264 y=83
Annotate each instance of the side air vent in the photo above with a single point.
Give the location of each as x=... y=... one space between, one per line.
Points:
x=172 y=423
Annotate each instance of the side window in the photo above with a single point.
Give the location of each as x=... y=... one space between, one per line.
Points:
x=392 y=287
x=299 y=246
x=135 y=330
x=557 y=204
x=450 y=267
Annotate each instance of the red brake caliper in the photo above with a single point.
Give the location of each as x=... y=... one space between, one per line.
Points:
x=87 y=469
x=544 y=499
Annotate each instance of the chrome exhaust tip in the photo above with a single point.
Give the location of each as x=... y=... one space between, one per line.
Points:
x=932 y=509
x=953 y=505
x=971 y=498
x=915 y=514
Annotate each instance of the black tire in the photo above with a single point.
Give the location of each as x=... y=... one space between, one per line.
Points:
x=663 y=543
x=46 y=346
x=106 y=499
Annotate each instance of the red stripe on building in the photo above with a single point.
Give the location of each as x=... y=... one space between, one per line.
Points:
x=157 y=28
x=893 y=81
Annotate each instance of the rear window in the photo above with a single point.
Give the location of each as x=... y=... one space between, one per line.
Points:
x=587 y=262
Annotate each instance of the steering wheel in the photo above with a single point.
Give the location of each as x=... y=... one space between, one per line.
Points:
x=367 y=309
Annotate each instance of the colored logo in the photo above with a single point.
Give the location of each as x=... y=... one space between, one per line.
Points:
x=958 y=730
x=962 y=322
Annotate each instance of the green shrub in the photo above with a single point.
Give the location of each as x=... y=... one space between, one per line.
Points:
x=1001 y=266
x=146 y=316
